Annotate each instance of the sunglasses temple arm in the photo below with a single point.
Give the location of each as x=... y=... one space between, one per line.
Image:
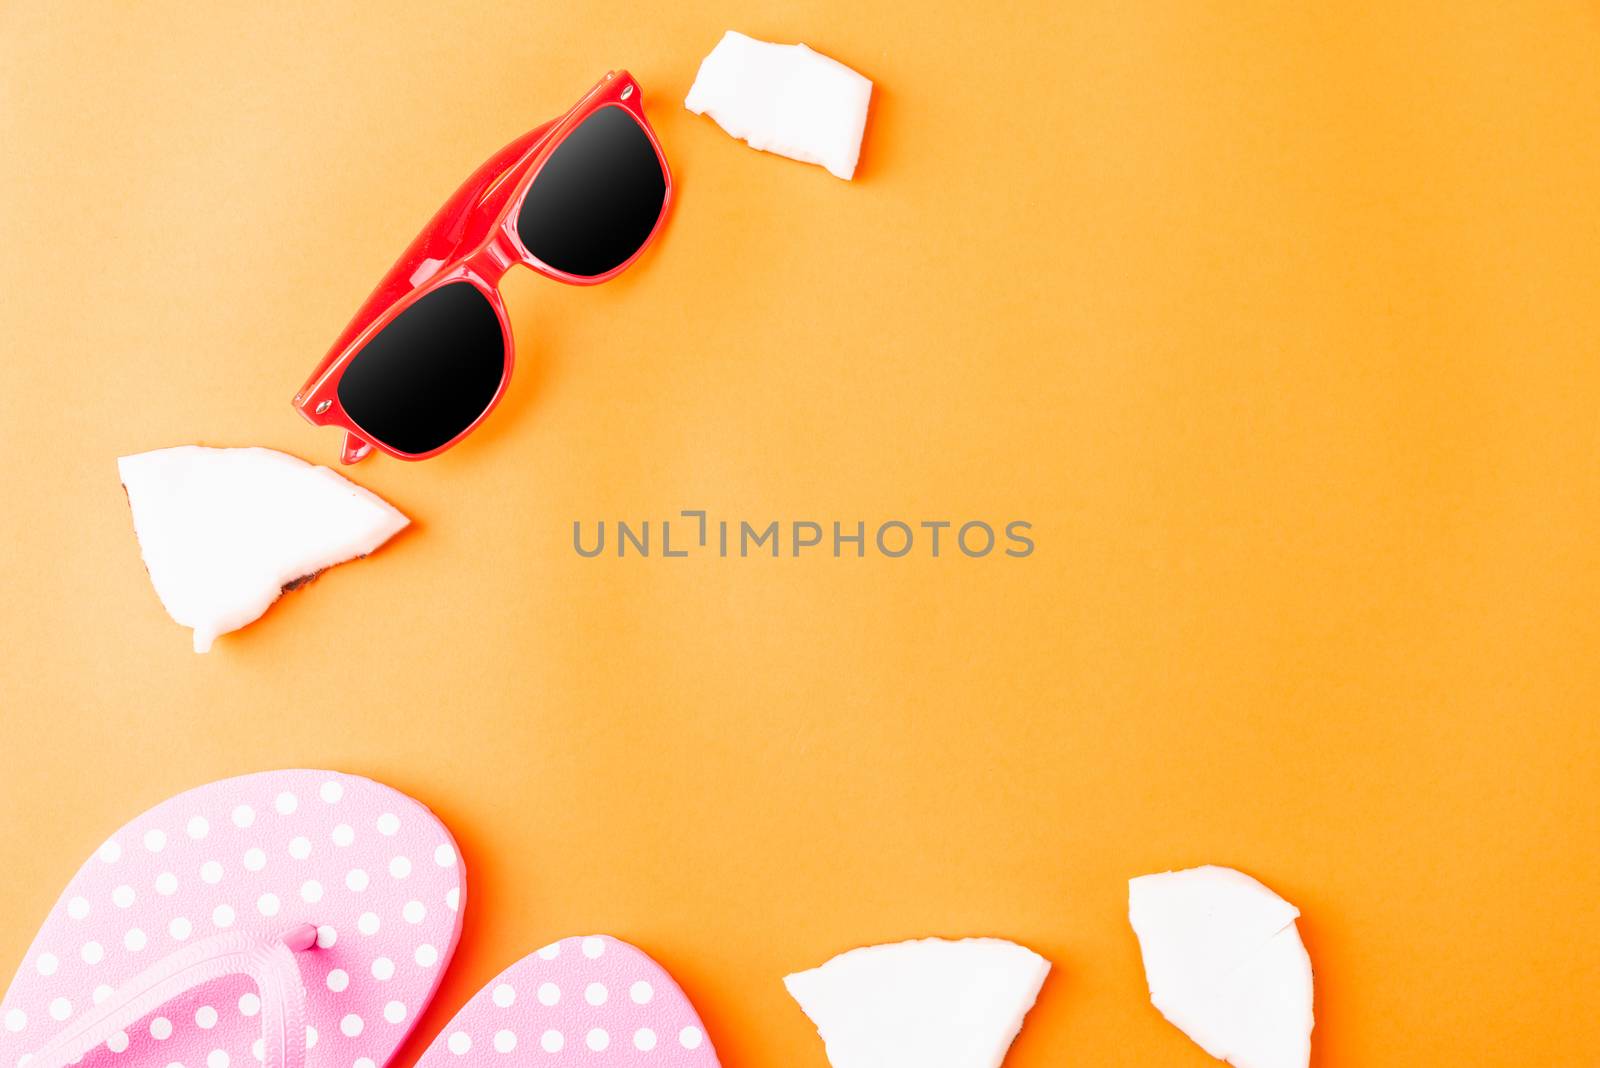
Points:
x=481 y=196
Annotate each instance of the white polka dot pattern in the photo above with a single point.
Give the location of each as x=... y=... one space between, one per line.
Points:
x=592 y=1001
x=261 y=854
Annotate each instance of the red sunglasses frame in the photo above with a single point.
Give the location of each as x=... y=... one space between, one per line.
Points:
x=474 y=239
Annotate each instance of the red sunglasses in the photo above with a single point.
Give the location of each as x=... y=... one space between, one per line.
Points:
x=429 y=353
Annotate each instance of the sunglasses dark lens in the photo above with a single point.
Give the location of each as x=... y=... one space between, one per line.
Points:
x=596 y=199
x=429 y=374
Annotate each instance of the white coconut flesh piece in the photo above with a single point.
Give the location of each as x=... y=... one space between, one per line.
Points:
x=1225 y=964
x=785 y=99
x=925 y=1004
x=223 y=532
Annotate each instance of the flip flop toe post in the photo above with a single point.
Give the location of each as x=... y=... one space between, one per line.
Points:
x=292 y=919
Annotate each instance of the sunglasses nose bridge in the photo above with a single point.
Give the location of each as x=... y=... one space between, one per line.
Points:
x=494 y=259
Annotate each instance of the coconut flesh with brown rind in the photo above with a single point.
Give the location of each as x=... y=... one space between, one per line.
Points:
x=225 y=532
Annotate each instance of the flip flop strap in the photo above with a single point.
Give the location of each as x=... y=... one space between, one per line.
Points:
x=269 y=962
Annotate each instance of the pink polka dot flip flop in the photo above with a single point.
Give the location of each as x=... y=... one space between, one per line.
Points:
x=299 y=919
x=592 y=1002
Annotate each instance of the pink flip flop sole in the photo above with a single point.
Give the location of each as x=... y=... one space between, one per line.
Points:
x=235 y=871
x=593 y=1001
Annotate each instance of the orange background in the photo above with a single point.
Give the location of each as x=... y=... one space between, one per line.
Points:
x=1279 y=325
